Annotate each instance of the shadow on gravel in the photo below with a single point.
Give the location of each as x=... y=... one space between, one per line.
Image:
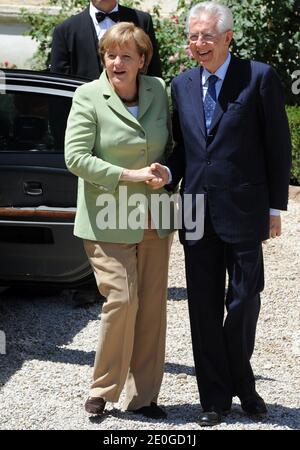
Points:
x=177 y=293
x=37 y=323
x=278 y=416
x=190 y=370
x=179 y=368
x=37 y=326
x=260 y=377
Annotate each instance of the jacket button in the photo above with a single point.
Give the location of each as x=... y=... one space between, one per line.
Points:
x=208 y=162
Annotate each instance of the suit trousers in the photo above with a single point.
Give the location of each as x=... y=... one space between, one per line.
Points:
x=131 y=346
x=223 y=348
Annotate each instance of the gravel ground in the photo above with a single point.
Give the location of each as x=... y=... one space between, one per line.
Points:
x=45 y=373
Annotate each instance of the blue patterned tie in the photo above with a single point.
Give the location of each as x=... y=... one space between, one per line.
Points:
x=210 y=100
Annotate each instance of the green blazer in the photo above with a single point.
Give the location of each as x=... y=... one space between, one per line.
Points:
x=102 y=138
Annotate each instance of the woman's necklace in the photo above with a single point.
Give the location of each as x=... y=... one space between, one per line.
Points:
x=131 y=101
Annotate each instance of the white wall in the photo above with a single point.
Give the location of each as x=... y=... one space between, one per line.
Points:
x=166 y=5
x=14 y=47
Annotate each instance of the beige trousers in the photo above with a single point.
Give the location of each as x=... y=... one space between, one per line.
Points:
x=131 y=346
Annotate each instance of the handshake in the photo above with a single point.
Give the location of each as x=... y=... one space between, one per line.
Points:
x=155 y=175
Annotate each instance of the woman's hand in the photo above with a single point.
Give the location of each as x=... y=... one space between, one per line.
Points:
x=136 y=176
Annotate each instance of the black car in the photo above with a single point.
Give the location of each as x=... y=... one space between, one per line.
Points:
x=37 y=192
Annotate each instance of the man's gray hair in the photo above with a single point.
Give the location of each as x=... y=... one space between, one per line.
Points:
x=221 y=12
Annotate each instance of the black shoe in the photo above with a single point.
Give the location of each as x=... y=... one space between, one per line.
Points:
x=211 y=417
x=254 y=405
x=95 y=405
x=153 y=411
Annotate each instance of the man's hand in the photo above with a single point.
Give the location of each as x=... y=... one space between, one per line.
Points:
x=161 y=176
x=275 y=226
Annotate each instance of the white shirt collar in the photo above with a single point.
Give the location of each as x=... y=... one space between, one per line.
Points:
x=94 y=10
x=220 y=72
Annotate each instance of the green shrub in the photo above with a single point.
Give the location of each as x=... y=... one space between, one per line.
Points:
x=172 y=43
x=294 y=121
x=42 y=25
x=265 y=30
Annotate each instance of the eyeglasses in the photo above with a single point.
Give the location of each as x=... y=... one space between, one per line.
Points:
x=205 y=37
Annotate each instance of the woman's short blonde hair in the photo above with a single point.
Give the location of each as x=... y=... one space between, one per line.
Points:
x=124 y=33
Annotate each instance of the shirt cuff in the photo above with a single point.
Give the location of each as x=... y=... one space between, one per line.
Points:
x=169 y=174
x=274 y=212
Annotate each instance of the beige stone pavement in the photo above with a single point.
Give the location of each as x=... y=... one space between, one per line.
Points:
x=294 y=193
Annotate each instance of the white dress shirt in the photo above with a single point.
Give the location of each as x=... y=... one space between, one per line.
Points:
x=103 y=26
x=220 y=73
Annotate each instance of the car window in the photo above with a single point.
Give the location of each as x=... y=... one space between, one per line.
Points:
x=33 y=122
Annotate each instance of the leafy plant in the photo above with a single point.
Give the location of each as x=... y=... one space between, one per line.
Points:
x=265 y=30
x=43 y=23
x=41 y=28
x=172 y=43
x=7 y=65
x=294 y=121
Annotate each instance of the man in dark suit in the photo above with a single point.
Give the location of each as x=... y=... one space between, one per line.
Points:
x=233 y=146
x=75 y=41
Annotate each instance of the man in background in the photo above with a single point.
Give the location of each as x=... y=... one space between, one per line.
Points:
x=75 y=41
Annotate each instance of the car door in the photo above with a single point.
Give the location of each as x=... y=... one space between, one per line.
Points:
x=37 y=192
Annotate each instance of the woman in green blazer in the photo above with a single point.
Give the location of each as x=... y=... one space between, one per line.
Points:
x=117 y=127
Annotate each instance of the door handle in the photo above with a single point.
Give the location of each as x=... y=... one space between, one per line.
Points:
x=33 y=188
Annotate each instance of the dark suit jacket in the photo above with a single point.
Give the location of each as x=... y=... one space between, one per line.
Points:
x=243 y=165
x=75 y=44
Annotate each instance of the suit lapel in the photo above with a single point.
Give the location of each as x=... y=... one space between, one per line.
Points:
x=196 y=97
x=146 y=96
x=127 y=15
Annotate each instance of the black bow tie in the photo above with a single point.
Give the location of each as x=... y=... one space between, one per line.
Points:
x=112 y=15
